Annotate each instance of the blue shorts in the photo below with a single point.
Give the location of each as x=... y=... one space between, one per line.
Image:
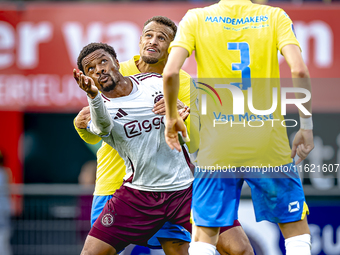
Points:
x=169 y=230
x=279 y=200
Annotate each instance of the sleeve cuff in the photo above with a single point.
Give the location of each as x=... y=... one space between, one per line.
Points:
x=182 y=45
x=287 y=43
x=94 y=101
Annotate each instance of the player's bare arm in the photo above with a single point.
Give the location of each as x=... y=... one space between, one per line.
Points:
x=303 y=142
x=174 y=122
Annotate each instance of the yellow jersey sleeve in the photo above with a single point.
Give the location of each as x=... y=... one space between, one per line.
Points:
x=184 y=95
x=85 y=135
x=110 y=171
x=185 y=36
x=184 y=87
x=285 y=33
x=129 y=67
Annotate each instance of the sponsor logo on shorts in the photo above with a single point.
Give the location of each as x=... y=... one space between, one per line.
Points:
x=107 y=220
x=294 y=207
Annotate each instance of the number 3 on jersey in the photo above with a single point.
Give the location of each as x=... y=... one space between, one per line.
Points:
x=243 y=47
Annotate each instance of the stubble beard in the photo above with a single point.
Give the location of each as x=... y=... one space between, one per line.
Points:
x=149 y=60
x=110 y=87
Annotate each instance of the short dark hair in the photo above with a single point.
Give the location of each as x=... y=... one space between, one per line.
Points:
x=165 y=21
x=91 y=48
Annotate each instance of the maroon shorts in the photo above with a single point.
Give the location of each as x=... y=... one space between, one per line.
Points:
x=134 y=216
x=235 y=224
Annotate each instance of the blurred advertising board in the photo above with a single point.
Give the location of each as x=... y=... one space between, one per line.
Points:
x=40 y=42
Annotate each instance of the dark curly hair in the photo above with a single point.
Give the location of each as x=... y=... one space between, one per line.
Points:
x=91 y=48
x=164 y=21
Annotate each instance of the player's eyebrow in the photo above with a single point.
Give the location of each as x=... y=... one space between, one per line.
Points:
x=165 y=34
x=86 y=64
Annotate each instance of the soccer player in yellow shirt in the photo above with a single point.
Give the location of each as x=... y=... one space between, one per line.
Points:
x=158 y=32
x=239 y=41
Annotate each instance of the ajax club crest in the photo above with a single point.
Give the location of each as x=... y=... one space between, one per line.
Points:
x=107 y=220
x=157 y=96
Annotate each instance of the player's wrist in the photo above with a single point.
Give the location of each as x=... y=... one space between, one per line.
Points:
x=306 y=123
x=92 y=94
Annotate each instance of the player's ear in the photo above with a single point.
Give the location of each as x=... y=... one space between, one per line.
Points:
x=117 y=63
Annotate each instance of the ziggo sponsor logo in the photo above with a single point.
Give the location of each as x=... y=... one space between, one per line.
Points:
x=136 y=128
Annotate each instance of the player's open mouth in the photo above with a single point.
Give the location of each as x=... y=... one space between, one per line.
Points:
x=103 y=79
x=151 y=50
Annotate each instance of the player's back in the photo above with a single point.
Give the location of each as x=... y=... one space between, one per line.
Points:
x=240 y=39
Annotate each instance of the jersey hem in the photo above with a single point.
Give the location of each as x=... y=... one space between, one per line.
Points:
x=130 y=185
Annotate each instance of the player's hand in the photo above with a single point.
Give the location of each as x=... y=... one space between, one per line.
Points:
x=172 y=127
x=159 y=107
x=85 y=83
x=83 y=118
x=184 y=112
x=303 y=144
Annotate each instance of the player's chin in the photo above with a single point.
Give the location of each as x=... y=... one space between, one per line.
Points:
x=150 y=59
x=108 y=86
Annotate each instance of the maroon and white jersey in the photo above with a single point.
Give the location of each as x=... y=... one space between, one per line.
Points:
x=138 y=136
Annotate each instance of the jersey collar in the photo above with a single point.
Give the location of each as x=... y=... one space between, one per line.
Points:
x=235 y=2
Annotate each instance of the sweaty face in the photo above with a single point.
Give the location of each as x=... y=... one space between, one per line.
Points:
x=102 y=68
x=154 y=42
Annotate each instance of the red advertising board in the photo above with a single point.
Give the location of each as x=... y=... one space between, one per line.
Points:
x=39 y=45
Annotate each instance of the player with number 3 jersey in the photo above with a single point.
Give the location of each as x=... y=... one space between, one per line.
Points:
x=236 y=46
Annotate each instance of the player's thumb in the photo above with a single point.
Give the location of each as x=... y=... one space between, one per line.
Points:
x=183 y=128
x=185 y=134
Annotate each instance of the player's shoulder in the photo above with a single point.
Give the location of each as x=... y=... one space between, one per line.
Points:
x=124 y=65
x=146 y=76
x=149 y=79
x=201 y=10
x=275 y=11
x=205 y=8
x=128 y=67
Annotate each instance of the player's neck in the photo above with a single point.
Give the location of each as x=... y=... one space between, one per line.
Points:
x=123 y=88
x=150 y=68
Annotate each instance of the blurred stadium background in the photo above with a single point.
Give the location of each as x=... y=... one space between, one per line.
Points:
x=52 y=169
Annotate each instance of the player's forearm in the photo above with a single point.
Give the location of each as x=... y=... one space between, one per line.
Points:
x=101 y=119
x=175 y=62
x=301 y=79
x=171 y=88
x=300 y=74
x=87 y=136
